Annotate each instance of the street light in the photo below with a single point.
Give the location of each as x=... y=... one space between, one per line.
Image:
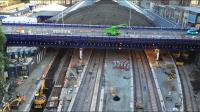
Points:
x=62 y=16
x=62 y=21
x=129 y=17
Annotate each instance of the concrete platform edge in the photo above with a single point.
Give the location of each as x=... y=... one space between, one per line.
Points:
x=157 y=86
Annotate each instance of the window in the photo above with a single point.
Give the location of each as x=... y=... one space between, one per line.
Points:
x=198 y=19
x=24 y=68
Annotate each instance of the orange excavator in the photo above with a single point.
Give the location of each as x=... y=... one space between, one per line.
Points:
x=20 y=30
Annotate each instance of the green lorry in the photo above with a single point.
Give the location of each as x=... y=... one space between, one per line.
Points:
x=114 y=30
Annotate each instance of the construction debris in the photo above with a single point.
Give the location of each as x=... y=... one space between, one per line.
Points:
x=139 y=106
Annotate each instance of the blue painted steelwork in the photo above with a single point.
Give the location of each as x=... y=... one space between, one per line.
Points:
x=101 y=42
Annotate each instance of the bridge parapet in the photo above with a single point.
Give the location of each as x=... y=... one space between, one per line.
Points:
x=90 y=26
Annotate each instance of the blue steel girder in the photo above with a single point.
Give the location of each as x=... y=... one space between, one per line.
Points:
x=101 y=42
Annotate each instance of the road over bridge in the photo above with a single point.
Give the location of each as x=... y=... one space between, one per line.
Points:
x=93 y=36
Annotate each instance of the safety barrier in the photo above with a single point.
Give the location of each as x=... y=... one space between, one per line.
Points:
x=92 y=26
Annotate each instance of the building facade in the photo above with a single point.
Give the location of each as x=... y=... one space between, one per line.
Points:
x=177 y=2
x=8 y=2
x=62 y=2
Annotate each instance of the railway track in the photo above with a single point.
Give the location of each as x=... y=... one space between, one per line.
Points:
x=49 y=80
x=145 y=94
x=189 y=101
x=53 y=100
x=85 y=94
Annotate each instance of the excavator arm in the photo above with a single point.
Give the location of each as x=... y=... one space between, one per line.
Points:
x=42 y=87
x=15 y=102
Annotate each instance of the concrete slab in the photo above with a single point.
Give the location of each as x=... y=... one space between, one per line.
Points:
x=115 y=82
x=170 y=89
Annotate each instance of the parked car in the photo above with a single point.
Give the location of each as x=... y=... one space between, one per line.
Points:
x=192 y=31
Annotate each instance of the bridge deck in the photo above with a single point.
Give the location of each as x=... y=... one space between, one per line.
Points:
x=95 y=37
x=99 y=32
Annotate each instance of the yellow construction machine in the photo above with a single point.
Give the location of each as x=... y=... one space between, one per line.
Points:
x=40 y=97
x=13 y=104
x=179 y=62
x=178 y=57
x=139 y=106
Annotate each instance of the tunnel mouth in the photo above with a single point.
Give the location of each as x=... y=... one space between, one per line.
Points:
x=116 y=98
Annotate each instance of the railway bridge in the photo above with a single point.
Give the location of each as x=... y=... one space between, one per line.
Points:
x=94 y=36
